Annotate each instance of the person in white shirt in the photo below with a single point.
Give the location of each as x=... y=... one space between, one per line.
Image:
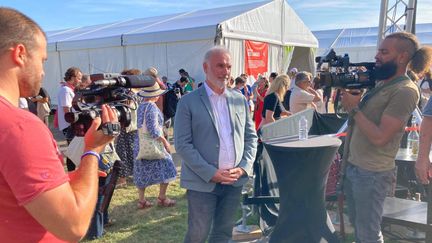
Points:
x=303 y=95
x=215 y=136
x=65 y=96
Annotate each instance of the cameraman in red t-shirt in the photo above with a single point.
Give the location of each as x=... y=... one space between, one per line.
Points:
x=39 y=201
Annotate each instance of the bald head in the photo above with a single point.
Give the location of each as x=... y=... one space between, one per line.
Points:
x=215 y=50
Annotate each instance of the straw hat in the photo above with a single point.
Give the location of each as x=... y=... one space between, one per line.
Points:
x=151 y=91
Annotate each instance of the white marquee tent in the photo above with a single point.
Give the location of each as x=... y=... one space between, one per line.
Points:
x=180 y=40
x=361 y=43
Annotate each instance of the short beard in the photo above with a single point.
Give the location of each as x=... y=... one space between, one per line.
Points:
x=221 y=85
x=386 y=70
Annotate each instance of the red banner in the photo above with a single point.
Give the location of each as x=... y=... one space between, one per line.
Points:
x=256 y=58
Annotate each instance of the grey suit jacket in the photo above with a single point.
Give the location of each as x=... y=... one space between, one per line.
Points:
x=197 y=141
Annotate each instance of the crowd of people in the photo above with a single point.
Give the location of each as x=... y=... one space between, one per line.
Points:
x=217 y=126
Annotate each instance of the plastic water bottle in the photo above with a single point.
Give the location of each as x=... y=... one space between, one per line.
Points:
x=303 y=128
x=413 y=138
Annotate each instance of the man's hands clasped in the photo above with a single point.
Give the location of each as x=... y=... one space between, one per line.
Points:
x=228 y=176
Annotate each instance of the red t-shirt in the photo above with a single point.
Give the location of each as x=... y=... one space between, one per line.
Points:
x=29 y=165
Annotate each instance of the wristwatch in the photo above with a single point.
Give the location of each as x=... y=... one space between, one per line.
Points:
x=354 y=111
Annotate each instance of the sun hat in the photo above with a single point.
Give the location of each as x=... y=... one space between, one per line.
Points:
x=151 y=91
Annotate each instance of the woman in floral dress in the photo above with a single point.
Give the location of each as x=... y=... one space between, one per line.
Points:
x=159 y=171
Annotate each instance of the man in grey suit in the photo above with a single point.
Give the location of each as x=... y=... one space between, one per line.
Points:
x=215 y=137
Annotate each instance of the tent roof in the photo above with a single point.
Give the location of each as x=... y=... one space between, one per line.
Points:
x=363 y=37
x=238 y=21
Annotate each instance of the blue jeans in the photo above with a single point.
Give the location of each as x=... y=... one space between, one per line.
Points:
x=365 y=193
x=214 y=209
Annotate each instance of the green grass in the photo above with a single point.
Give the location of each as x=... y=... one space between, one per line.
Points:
x=155 y=224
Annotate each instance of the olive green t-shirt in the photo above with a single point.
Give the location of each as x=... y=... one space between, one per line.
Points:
x=399 y=101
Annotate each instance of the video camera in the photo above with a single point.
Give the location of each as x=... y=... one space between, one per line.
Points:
x=346 y=75
x=106 y=88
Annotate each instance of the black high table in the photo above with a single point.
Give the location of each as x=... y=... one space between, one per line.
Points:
x=301 y=169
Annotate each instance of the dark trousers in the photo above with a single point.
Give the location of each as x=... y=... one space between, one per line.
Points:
x=215 y=210
x=99 y=219
x=69 y=135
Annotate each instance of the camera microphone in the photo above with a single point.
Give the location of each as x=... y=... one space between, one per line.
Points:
x=106 y=82
x=127 y=81
x=139 y=81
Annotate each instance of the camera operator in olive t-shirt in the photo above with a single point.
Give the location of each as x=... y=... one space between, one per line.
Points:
x=377 y=123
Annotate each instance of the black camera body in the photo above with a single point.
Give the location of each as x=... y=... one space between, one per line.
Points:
x=106 y=88
x=346 y=75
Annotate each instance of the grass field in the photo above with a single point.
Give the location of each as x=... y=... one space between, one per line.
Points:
x=155 y=224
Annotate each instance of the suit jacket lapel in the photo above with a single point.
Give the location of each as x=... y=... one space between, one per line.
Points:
x=206 y=101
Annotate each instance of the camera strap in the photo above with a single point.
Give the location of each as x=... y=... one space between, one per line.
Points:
x=376 y=90
x=371 y=93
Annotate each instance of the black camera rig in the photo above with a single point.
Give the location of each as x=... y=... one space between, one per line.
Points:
x=345 y=74
x=107 y=88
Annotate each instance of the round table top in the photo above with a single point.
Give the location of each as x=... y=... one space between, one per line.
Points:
x=311 y=142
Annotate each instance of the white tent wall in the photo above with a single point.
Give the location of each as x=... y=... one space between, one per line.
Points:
x=189 y=56
x=53 y=76
x=277 y=24
x=75 y=58
x=303 y=59
x=236 y=48
x=295 y=32
x=275 y=58
x=106 y=60
x=263 y=24
x=145 y=56
x=168 y=58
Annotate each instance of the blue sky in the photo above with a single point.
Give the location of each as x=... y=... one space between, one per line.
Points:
x=316 y=14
